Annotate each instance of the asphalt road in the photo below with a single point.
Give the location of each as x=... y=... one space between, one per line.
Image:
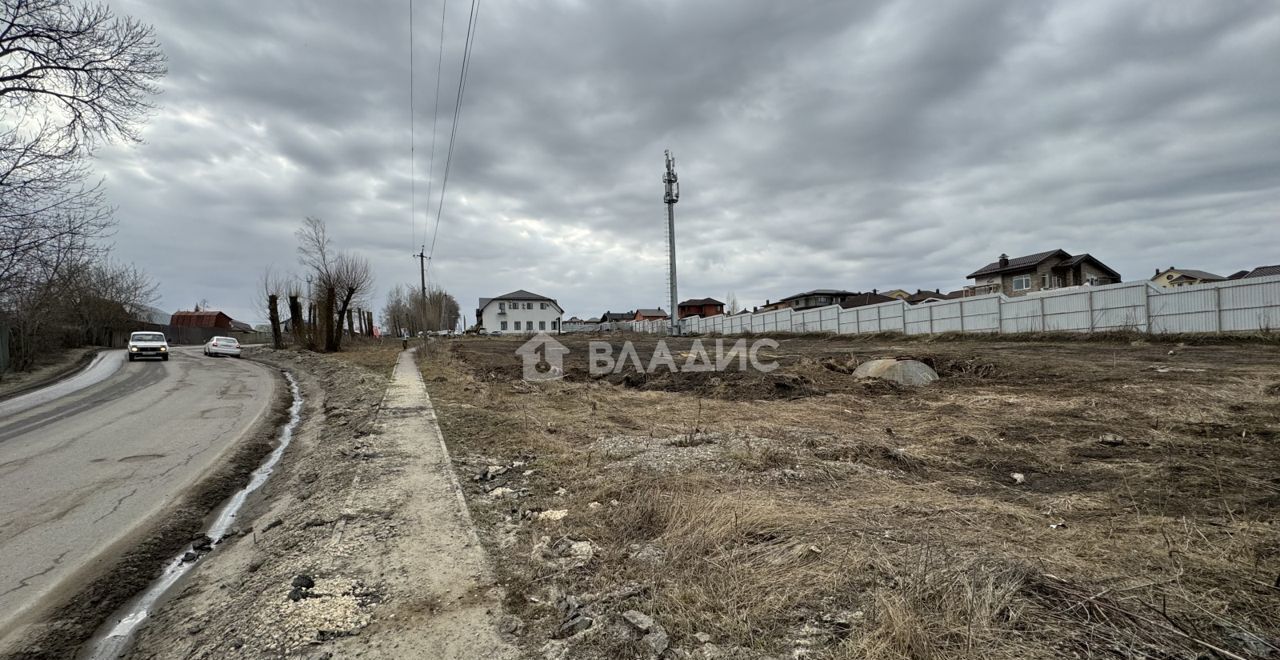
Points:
x=81 y=471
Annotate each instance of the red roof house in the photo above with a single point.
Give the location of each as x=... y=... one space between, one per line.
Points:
x=209 y=319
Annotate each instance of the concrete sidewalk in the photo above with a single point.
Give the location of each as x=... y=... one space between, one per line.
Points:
x=442 y=565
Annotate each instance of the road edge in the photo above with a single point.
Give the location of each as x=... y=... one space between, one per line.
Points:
x=69 y=371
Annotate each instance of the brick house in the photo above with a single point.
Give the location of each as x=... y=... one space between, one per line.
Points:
x=703 y=307
x=209 y=319
x=1040 y=272
x=650 y=315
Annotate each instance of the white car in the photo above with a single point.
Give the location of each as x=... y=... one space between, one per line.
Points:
x=222 y=346
x=148 y=344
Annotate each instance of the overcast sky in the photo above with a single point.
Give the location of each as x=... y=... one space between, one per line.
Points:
x=853 y=145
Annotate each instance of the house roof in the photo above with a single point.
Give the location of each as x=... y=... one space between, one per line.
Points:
x=207 y=319
x=921 y=295
x=1080 y=258
x=1262 y=271
x=616 y=316
x=521 y=294
x=820 y=292
x=1016 y=263
x=650 y=312
x=700 y=301
x=518 y=294
x=1197 y=274
x=863 y=299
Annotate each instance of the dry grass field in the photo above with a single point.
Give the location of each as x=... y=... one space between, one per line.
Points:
x=1042 y=500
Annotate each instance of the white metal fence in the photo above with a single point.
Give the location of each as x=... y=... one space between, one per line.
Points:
x=1234 y=306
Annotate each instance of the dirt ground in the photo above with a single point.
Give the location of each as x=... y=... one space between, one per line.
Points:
x=1070 y=499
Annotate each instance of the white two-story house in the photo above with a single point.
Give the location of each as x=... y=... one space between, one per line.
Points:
x=519 y=312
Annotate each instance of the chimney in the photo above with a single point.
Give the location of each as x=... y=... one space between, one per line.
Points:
x=1157 y=271
x=937 y=290
x=875 y=291
x=1004 y=260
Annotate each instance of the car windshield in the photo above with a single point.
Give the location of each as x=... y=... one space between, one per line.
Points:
x=148 y=336
x=228 y=340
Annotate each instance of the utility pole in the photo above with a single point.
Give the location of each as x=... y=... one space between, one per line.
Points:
x=670 y=198
x=422 y=272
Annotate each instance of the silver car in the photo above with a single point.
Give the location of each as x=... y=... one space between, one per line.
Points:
x=222 y=346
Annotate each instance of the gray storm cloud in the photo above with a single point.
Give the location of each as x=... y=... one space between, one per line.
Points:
x=853 y=145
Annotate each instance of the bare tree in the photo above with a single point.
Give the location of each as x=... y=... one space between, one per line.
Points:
x=731 y=303
x=276 y=288
x=72 y=76
x=351 y=277
x=347 y=275
x=89 y=72
x=406 y=309
x=314 y=248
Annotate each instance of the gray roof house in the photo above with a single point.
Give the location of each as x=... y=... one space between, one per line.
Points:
x=1038 y=272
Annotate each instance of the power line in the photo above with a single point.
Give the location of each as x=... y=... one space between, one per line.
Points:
x=435 y=113
x=457 y=111
x=413 y=177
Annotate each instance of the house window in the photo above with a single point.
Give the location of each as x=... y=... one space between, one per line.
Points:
x=517 y=325
x=502 y=307
x=544 y=305
x=555 y=325
x=528 y=305
x=504 y=325
x=1044 y=280
x=1022 y=283
x=542 y=325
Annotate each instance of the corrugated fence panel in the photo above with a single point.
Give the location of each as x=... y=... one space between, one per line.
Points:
x=829 y=318
x=1184 y=309
x=946 y=316
x=1120 y=307
x=916 y=320
x=981 y=314
x=1065 y=311
x=869 y=318
x=1252 y=304
x=893 y=317
x=847 y=321
x=808 y=320
x=1021 y=315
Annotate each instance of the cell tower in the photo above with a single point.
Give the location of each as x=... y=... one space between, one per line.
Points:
x=670 y=198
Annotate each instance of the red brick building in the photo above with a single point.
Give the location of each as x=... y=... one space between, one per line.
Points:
x=703 y=307
x=210 y=319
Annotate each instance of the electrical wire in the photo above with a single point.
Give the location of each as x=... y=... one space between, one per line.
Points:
x=435 y=114
x=413 y=177
x=457 y=112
